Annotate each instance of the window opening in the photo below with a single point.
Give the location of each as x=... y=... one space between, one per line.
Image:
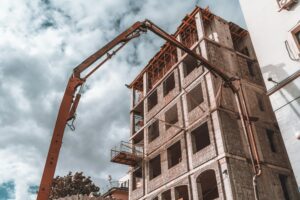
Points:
x=153 y=131
x=194 y=97
x=152 y=100
x=283 y=183
x=181 y=193
x=200 y=137
x=166 y=195
x=270 y=135
x=174 y=154
x=137 y=179
x=208 y=183
x=189 y=65
x=154 y=167
x=169 y=84
x=171 y=116
x=260 y=102
x=250 y=66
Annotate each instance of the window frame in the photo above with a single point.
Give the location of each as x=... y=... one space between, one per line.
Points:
x=289 y=4
x=294 y=32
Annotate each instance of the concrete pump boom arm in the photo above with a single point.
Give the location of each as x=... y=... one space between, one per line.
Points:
x=71 y=96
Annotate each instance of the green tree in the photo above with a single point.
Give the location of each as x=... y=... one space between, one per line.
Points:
x=73 y=185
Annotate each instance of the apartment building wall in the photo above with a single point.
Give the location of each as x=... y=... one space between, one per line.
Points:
x=271 y=30
x=213 y=161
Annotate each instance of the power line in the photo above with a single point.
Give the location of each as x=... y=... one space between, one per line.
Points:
x=286 y=104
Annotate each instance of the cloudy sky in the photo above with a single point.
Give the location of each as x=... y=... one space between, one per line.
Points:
x=40 y=43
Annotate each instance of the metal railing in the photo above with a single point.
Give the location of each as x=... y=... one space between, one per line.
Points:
x=126 y=147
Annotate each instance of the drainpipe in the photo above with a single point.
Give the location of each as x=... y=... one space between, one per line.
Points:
x=251 y=142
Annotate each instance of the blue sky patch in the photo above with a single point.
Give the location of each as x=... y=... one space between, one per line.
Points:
x=7 y=190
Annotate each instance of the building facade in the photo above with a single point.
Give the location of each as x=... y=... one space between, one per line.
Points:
x=187 y=139
x=276 y=40
x=116 y=193
x=117 y=189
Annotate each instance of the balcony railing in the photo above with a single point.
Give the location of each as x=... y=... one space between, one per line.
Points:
x=127 y=153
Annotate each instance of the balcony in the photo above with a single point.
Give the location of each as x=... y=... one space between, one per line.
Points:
x=127 y=154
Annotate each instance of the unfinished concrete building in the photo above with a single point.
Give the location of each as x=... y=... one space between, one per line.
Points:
x=187 y=140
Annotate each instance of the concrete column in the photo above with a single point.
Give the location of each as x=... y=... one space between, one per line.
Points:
x=201 y=34
x=189 y=150
x=211 y=90
x=146 y=175
x=145 y=83
x=180 y=66
x=185 y=110
x=131 y=113
x=194 y=187
x=130 y=185
x=183 y=98
x=218 y=133
x=145 y=188
x=145 y=166
x=224 y=176
x=173 y=196
x=145 y=91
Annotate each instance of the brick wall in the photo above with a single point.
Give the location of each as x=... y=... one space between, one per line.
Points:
x=227 y=154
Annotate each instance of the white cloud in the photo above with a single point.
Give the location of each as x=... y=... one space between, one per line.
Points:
x=41 y=41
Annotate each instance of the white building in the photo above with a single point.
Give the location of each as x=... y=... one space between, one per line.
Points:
x=274 y=27
x=124 y=181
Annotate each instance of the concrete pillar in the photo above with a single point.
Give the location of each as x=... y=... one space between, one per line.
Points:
x=220 y=144
x=194 y=187
x=225 y=179
x=201 y=34
x=131 y=113
x=173 y=196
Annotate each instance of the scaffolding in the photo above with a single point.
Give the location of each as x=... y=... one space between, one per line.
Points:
x=207 y=15
x=127 y=153
x=163 y=61
x=237 y=32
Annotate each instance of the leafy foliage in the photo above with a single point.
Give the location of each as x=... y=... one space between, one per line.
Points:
x=73 y=185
